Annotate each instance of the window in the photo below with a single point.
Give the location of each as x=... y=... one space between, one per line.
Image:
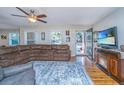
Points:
x=56 y=38
x=13 y=38
x=30 y=38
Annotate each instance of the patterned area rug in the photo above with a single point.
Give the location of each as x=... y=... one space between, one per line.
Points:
x=60 y=73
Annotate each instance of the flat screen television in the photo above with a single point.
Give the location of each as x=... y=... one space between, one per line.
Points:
x=108 y=38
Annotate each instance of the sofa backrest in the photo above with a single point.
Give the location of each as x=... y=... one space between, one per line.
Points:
x=7 y=50
x=46 y=47
x=60 y=47
x=12 y=49
x=23 y=47
x=40 y=46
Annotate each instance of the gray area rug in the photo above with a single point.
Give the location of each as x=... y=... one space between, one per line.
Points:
x=60 y=73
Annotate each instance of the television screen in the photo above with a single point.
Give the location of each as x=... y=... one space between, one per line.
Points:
x=107 y=37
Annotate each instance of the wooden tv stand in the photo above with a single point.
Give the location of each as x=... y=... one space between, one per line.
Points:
x=111 y=62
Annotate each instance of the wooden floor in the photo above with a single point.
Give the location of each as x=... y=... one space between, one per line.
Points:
x=97 y=76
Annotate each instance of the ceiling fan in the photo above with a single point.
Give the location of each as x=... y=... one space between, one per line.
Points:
x=31 y=15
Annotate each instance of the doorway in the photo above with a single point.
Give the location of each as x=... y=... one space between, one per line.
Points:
x=80 y=43
x=89 y=43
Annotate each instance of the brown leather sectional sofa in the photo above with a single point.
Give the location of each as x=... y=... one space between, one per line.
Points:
x=24 y=53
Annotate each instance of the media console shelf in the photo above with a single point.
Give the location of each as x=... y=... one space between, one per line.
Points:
x=111 y=62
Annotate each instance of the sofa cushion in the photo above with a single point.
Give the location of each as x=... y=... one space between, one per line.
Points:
x=45 y=51
x=36 y=51
x=61 y=55
x=62 y=51
x=60 y=47
x=7 y=50
x=53 y=46
x=23 y=47
x=5 y=63
x=1 y=73
x=46 y=47
x=35 y=46
x=41 y=47
x=9 y=56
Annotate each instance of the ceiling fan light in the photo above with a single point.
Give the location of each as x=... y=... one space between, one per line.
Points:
x=32 y=19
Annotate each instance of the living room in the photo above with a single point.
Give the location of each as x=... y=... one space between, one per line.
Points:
x=26 y=44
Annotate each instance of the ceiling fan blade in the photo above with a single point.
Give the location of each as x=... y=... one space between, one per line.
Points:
x=18 y=15
x=40 y=16
x=23 y=11
x=41 y=20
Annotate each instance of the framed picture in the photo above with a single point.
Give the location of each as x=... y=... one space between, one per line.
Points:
x=67 y=39
x=3 y=37
x=42 y=35
x=67 y=32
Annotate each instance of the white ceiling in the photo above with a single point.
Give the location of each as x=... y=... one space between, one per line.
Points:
x=56 y=15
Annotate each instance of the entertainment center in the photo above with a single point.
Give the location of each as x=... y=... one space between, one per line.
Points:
x=107 y=55
x=111 y=62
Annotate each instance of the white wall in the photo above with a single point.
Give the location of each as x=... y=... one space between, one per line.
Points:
x=114 y=19
x=55 y=28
